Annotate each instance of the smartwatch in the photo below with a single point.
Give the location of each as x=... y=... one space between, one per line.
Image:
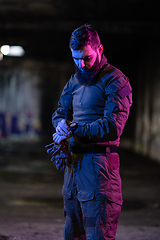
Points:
x=73 y=126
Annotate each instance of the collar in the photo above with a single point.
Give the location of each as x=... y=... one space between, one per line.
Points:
x=103 y=61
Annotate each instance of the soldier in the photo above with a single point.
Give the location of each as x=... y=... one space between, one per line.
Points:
x=92 y=111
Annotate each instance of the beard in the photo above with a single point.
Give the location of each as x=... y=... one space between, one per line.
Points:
x=90 y=76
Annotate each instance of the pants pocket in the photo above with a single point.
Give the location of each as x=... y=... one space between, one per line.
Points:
x=100 y=164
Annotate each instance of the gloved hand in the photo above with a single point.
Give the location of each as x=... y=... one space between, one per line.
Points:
x=60 y=154
x=63 y=128
x=58 y=138
x=62 y=131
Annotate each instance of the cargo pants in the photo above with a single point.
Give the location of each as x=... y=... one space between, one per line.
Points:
x=92 y=196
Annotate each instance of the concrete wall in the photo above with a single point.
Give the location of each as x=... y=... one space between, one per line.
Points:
x=30 y=89
x=19 y=104
x=29 y=92
x=147 y=131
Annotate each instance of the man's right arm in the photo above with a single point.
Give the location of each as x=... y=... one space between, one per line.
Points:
x=64 y=109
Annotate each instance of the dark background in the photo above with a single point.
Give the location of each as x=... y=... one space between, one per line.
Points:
x=31 y=203
x=130 y=33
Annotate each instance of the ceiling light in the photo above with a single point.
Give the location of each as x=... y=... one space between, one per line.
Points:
x=14 y=51
x=5 y=49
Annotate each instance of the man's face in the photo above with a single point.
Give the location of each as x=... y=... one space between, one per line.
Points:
x=87 y=63
x=86 y=57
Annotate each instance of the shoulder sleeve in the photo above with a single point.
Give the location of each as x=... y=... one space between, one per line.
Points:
x=119 y=101
x=64 y=109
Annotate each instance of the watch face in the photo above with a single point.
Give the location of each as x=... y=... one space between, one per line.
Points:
x=72 y=125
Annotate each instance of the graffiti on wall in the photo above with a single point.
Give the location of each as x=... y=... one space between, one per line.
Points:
x=17 y=127
x=19 y=106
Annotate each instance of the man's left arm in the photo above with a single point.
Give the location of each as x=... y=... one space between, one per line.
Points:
x=116 y=113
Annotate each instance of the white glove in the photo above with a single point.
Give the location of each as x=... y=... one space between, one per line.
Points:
x=63 y=128
x=58 y=138
x=62 y=131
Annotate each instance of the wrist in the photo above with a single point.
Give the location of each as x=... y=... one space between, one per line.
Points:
x=73 y=126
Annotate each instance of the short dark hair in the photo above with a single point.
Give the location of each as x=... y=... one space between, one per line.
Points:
x=84 y=35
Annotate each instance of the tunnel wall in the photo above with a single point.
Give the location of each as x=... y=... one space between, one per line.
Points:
x=30 y=89
x=19 y=103
x=147 y=130
x=29 y=92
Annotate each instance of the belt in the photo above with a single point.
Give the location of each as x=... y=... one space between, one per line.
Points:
x=92 y=149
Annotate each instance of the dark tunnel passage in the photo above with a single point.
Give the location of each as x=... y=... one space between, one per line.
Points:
x=31 y=202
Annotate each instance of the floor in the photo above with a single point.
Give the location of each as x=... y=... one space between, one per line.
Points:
x=31 y=204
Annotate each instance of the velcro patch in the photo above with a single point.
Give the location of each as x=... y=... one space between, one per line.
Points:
x=124 y=92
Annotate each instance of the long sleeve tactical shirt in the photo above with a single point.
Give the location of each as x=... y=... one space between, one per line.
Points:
x=101 y=110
